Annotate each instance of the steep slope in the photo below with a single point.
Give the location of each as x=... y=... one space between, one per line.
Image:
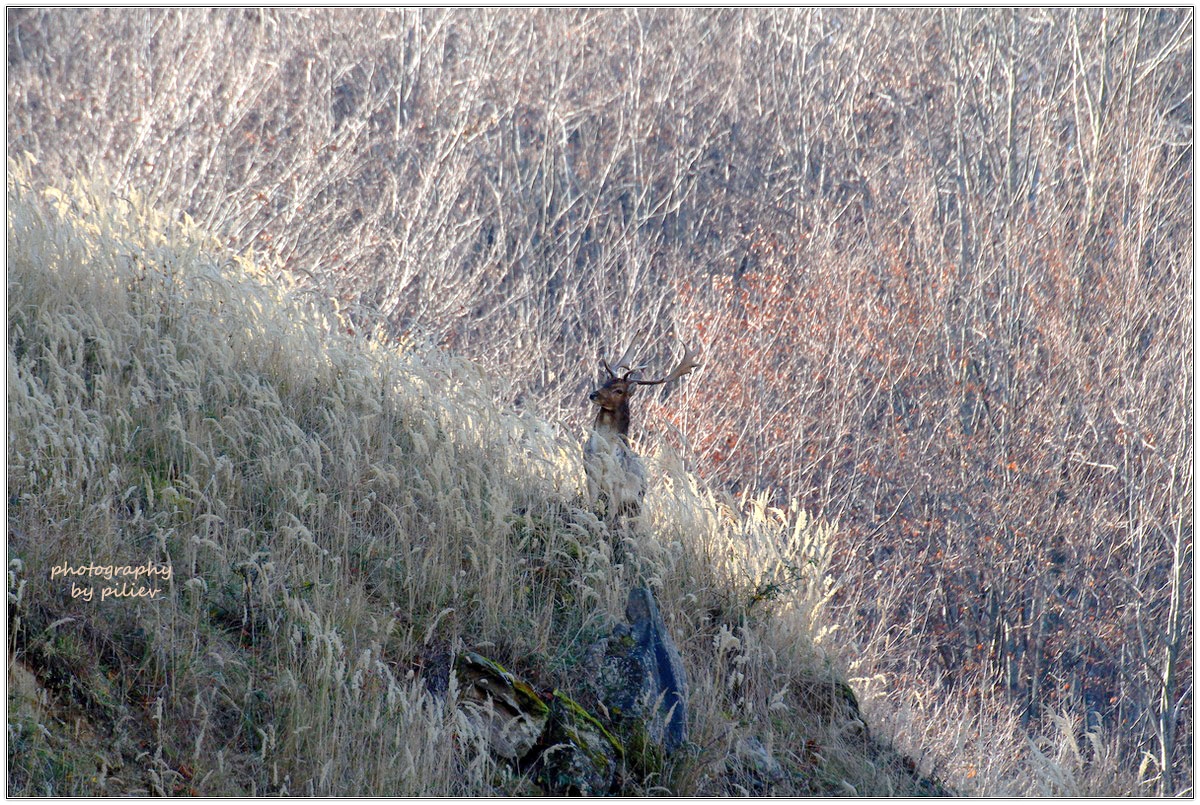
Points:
x=328 y=519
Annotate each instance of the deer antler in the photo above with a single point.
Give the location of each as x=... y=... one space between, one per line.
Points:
x=687 y=364
x=622 y=362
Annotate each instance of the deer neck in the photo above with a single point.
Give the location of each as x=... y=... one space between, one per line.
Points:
x=614 y=422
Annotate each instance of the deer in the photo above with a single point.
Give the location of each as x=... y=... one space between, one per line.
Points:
x=616 y=477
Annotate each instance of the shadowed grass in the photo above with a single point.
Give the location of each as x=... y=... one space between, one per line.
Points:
x=341 y=514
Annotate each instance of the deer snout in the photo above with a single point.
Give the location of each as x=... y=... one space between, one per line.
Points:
x=594 y=396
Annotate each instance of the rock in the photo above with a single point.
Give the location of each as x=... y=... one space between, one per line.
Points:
x=836 y=703
x=569 y=749
x=642 y=693
x=581 y=757
x=512 y=714
x=641 y=679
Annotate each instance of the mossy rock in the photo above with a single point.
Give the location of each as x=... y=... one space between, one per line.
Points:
x=581 y=757
x=510 y=711
x=641 y=680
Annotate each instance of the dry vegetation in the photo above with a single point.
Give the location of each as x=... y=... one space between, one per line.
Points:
x=341 y=517
x=939 y=262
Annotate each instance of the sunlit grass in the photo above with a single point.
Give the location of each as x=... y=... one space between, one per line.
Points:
x=341 y=514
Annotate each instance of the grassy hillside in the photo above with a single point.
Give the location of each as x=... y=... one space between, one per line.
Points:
x=340 y=515
x=939 y=264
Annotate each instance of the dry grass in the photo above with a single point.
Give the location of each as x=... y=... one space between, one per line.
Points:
x=340 y=514
x=939 y=263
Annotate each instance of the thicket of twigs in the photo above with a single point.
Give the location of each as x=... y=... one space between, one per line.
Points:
x=938 y=262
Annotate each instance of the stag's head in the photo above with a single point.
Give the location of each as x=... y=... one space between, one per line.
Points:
x=615 y=391
x=613 y=395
